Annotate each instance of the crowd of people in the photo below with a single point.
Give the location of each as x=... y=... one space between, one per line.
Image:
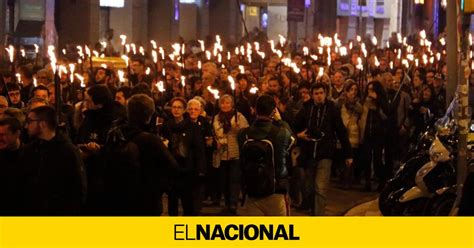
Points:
x=174 y=126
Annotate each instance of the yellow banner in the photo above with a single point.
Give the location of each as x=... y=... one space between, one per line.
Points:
x=356 y=232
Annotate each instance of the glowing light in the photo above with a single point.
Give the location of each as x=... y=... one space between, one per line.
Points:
x=121 y=75
x=81 y=78
x=253 y=90
x=232 y=82
x=126 y=59
x=11 y=53
x=214 y=92
x=160 y=86
x=242 y=69
x=123 y=38
x=153 y=43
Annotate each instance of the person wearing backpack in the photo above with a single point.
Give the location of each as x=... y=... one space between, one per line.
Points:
x=138 y=166
x=264 y=149
x=318 y=126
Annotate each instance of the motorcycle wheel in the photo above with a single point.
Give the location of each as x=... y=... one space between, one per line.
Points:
x=441 y=205
x=386 y=193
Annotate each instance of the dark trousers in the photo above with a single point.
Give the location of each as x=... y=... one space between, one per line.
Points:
x=230 y=174
x=372 y=153
x=187 y=191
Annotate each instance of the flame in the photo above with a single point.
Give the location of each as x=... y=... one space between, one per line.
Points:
x=214 y=92
x=228 y=56
x=148 y=71
x=232 y=82
x=36 y=48
x=279 y=53
x=183 y=81
x=162 y=52
x=376 y=61
x=142 y=50
x=199 y=65
x=81 y=78
x=153 y=43
x=123 y=38
x=127 y=48
x=72 y=68
x=23 y=53
x=282 y=40
x=305 y=51
x=391 y=64
x=242 y=69
x=103 y=44
x=160 y=86
x=62 y=70
x=52 y=57
x=399 y=38
x=219 y=58
x=295 y=67
x=134 y=48
x=358 y=38
x=88 y=51
x=35 y=83
x=236 y=51
x=154 y=54
x=257 y=46
x=11 y=52
x=359 y=64
x=80 y=52
x=343 y=51
x=18 y=77
x=202 y=45
x=272 y=45
x=314 y=57
x=374 y=41
x=423 y=34
x=253 y=90
x=320 y=72
x=126 y=59
x=95 y=53
x=208 y=55
x=121 y=75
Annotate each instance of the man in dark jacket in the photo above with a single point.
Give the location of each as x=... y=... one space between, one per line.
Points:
x=318 y=126
x=277 y=203
x=135 y=185
x=10 y=144
x=53 y=176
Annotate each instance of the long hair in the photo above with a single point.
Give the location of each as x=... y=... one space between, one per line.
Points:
x=379 y=90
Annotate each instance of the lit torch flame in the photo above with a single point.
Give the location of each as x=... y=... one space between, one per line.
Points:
x=81 y=78
x=123 y=38
x=253 y=90
x=232 y=82
x=160 y=86
x=153 y=43
x=11 y=52
x=214 y=92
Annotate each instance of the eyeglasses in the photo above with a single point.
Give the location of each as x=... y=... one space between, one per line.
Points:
x=14 y=93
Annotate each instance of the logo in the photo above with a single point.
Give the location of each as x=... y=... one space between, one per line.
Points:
x=235 y=232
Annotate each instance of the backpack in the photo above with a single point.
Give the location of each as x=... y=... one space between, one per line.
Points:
x=123 y=172
x=258 y=165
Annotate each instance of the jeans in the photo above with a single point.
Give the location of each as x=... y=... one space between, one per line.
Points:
x=317 y=184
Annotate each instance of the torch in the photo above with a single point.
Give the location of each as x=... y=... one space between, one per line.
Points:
x=232 y=86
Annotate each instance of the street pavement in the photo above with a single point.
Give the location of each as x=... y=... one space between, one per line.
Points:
x=340 y=202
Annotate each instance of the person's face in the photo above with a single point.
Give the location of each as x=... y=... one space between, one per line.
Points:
x=304 y=94
x=14 y=96
x=243 y=84
x=430 y=78
x=426 y=95
x=226 y=105
x=42 y=94
x=224 y=74
x=338 y=79
x=417 y=81
x=33 y=125
x=264 y=87
x=208 y=79
x=319 y=96
x=120 y=98
x=399 y=74
x=100 y=76
x=198 y=85
x=177 y=109
x=8 y=140
x=42 y=79
x=388 y=81
x=352 y=93
x=273 y=86
x=194 y=110
x=137 y=67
